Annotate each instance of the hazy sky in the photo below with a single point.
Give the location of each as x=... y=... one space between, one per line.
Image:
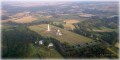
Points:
x=60 y=0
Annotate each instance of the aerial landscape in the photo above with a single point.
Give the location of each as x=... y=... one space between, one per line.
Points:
x=60 y=30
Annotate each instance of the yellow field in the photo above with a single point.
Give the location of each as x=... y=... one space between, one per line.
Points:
x=69 y=23
x=27 y=19
x=117 y=45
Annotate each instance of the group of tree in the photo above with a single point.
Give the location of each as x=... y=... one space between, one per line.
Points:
x=19 y=42
x=86 y=27
x=58 y=25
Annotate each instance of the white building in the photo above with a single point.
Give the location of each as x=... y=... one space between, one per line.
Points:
x=41 y=42
x=35 y=42
x=50 y=45
x=58 y=32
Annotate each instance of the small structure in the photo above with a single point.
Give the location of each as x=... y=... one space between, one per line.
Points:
x=58 y=32
x=48 y=28
x=35 y=42
x=50 y=45
x=41 y=42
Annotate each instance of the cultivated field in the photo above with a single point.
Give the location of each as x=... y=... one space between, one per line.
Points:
x=69 y=37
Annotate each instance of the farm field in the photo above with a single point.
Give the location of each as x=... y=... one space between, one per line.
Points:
x=26 y=19
x=104 y=29
x=69 y=37
x=47 y=53
x=69 y=23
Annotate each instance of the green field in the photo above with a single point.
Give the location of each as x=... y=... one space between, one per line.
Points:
x=104 y=29
x=69 y=37
x=44 y=52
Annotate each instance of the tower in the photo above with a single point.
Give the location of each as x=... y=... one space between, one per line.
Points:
x=48 y=28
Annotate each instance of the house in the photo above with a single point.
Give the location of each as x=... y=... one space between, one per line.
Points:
x=50 y=45
x=41 y=42
x=35 y=42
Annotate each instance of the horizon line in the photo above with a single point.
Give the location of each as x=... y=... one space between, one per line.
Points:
x=57 y=0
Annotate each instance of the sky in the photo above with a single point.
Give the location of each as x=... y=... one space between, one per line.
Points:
x=60 y=0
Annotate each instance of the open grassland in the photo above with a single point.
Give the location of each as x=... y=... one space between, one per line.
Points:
x=69 y=37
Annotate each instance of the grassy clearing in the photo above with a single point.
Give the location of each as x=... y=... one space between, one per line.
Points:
x=69 y=37
x=44 y=52
x=103 y=29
